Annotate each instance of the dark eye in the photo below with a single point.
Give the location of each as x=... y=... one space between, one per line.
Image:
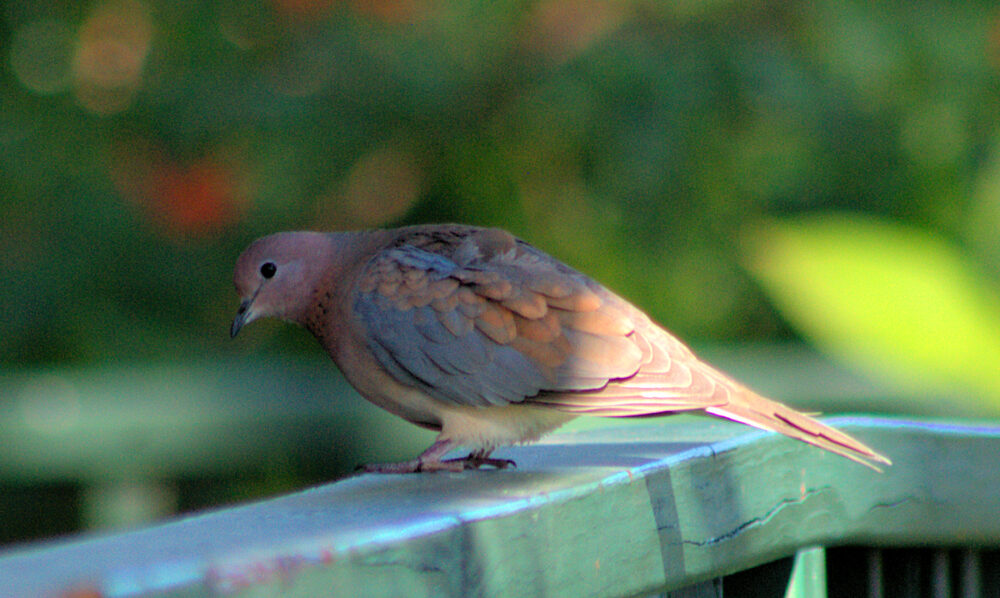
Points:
x=267 y=269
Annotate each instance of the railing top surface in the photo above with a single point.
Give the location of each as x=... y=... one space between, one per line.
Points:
x=601 y=512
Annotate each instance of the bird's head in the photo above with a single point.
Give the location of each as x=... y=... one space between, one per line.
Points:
x=276 y=276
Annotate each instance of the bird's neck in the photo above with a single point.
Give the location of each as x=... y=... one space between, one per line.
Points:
x=328 y=312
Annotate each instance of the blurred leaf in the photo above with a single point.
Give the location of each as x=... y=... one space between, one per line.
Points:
x=891 y=299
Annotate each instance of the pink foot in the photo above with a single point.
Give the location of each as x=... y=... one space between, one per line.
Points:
x=430 y=460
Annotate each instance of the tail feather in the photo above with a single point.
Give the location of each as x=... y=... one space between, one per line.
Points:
x=715 y=393
x=672 y=379
x=754 y=410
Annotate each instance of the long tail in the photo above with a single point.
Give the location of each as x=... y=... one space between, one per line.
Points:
x=754 y=410
x=705 y=388
x=671 y=378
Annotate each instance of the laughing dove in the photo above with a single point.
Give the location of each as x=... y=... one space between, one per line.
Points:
x=479 y=336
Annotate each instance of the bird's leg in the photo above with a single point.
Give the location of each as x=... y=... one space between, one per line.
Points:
x=429 y=460
x=481 y=457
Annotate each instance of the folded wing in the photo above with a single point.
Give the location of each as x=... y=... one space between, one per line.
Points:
x=476 y=317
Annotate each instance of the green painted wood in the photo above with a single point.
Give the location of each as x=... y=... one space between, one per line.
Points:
x=596 y=513
x=809 y=574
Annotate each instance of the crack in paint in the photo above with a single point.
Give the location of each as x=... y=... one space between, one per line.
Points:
x=895 y=503
x=763 y=519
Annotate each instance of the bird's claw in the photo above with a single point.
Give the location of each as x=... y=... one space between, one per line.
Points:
x=460 y=464
x=475 y=462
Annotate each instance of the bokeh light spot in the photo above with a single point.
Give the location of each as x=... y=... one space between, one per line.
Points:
x=113 y=45
x=40 y=56
x=382 y=186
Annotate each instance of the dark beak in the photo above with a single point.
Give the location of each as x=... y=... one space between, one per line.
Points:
x=241 y=317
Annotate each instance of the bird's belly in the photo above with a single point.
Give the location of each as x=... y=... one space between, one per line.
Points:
x=468 y=425
x=408 y=403
x=489 y=427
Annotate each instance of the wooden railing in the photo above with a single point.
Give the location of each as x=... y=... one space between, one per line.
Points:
x=689 y=507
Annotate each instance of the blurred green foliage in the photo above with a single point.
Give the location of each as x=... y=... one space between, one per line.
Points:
x=893 y=300
x=143 y=143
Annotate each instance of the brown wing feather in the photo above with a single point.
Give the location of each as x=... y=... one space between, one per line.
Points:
x=482 y=319
x=476 y=317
